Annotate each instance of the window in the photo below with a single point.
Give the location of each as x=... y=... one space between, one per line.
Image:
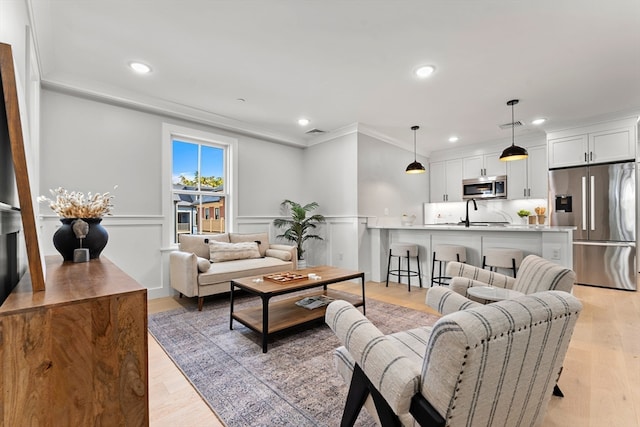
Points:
x=200 y=181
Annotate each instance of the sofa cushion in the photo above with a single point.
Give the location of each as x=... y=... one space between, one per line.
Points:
x=221 y=252
x=199 y=243
x=262 y=239
x=203 y=264
x=279 y=253
x=226 y=271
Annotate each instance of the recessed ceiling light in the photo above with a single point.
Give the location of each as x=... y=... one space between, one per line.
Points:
x=139 y=67
x=424 y=71
x=303 y=122
x=539 y=121
x=453 y=139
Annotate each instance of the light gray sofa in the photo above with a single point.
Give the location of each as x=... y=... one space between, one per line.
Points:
x=199 y=268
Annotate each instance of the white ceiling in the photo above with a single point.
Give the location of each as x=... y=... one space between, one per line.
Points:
x=340 y=62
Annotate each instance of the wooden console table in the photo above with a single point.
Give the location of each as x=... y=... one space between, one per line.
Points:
x=75 y=354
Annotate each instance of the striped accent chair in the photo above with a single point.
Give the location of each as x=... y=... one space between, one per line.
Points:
x=493 y=364
x=535 y=274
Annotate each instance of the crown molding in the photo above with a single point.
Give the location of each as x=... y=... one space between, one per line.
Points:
x=362 y=129
x=175 y=110
x=369 y=131
x=623 y=115
x=334 y=134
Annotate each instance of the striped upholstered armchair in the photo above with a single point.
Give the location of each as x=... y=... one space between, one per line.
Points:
x=535 y=274
x=493 y=364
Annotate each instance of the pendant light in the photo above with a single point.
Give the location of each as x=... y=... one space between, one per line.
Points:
x=513 y=152
x=416 y=166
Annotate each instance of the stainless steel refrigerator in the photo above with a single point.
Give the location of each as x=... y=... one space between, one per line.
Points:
x=600 y=201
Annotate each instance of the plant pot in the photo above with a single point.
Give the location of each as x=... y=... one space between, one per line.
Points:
x=65 y=240
x=302 y=264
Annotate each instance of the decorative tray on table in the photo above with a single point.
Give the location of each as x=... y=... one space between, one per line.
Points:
x=285 y=277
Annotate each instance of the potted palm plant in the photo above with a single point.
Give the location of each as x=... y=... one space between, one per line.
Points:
x=299 y=227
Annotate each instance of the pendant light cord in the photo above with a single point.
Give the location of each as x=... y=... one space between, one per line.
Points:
x=414 y=129
x=513 y=127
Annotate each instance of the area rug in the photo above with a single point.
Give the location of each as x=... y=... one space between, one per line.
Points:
x=293 y=384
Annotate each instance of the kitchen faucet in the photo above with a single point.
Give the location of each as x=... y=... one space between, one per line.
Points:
x=475 y=208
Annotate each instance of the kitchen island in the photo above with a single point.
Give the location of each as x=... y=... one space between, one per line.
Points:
x=552 y=243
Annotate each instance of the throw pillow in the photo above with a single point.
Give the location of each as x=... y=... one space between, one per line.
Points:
x=199 y=243
x=203 y=265
x=262 y=239
x=220 y=252
x=278 y=253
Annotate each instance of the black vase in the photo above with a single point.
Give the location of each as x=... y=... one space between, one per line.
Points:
x=65 y=240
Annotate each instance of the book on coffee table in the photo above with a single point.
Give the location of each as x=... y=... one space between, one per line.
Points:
x=314 y=301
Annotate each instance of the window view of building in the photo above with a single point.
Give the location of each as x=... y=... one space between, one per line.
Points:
x=198 y=171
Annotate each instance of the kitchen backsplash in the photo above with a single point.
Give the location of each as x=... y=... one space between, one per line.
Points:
x=488 y=211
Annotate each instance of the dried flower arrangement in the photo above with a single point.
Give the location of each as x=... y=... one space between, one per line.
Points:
x=76 y=205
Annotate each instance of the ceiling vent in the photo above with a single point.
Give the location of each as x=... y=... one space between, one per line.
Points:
x=314 y=131
x=517 y=123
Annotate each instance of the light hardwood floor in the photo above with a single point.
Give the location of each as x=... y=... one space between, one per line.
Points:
x=601 y=377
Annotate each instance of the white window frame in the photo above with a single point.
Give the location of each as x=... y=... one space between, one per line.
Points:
x=171 y=132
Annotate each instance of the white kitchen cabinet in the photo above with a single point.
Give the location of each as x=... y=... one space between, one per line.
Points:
x=568 y=151
x=446 y=181
x=612 y=145
x=483 y=165
x=602 y=143
x=527 y=179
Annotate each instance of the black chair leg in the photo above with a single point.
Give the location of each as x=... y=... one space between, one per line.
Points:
x=359 y=390
x=408 y=272
x=557 y=391
x=388 y=267
x=433 y=269
x=419 y=272
x=513 y=265
x=358 y=393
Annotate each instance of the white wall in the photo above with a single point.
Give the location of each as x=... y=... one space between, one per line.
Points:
x=330 y=170
x=383 y=184
x=352 y=177
x=331 y=175
x=89 y=145
x=269 y=174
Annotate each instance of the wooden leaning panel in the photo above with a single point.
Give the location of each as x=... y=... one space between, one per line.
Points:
x=8 y=88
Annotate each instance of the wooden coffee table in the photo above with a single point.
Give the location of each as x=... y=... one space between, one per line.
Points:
x=285 y=314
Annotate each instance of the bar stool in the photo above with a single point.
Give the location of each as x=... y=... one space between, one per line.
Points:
x=443 y=254
x=408 y=251
x=495 y=258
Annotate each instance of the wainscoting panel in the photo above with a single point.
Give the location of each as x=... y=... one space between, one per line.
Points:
x=134 y=246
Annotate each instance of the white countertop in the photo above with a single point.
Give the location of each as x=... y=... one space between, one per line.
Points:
x=488 y=228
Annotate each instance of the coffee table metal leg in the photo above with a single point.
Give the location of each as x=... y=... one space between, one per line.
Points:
x=231 y=307
x=265 y=322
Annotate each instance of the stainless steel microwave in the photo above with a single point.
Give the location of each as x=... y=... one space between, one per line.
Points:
x=485 y=187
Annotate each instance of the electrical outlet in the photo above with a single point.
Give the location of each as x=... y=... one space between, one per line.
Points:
x=555 y=254
x=340 y=257
x=386 y=211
